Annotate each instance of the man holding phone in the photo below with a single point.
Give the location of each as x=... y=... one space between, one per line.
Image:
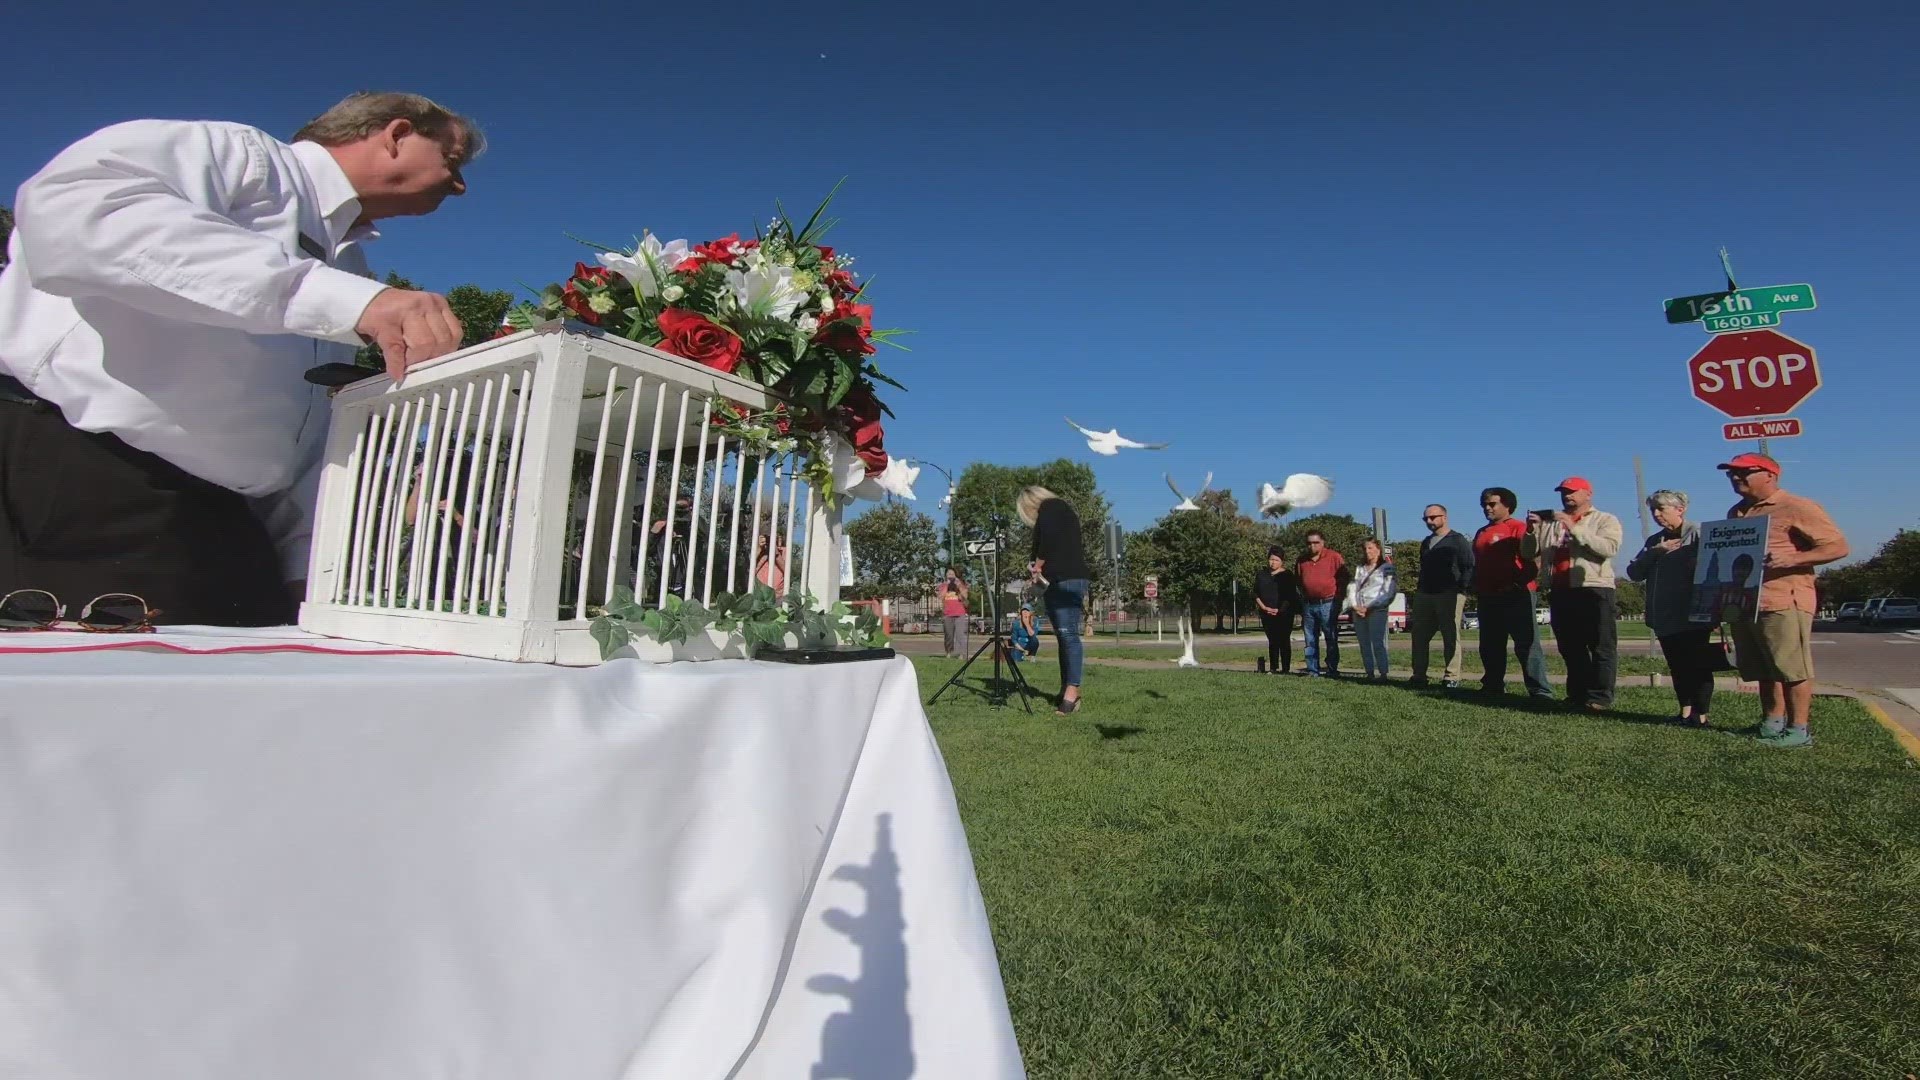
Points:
x=1579 y=543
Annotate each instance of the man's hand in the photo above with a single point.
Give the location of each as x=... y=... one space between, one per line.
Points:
x=1359 y=613
x=410 y=327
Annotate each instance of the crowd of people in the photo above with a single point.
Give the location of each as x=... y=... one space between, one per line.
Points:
x=1499 y=572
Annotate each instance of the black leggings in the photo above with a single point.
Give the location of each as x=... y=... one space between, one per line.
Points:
x=1687 y=661
x=1279 y=630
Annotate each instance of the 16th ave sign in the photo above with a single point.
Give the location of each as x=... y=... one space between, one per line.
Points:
x=1762 y=373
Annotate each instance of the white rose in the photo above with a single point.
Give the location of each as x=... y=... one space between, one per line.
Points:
x=826 y=302
x=806 y=324
x=672 y=293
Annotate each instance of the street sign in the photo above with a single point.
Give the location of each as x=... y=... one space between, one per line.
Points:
x=1152 y=589
x=1784 y=428
x=1746 y=309
x=982 y=547
x=1762 y=373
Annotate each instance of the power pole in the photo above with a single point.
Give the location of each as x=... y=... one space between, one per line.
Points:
x=1640 y=493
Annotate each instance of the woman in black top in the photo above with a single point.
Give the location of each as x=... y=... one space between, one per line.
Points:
x=1060 y=563
x=1276 y=592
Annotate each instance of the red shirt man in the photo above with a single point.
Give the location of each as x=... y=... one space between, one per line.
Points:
x=1497 y=564
x=1322 y=574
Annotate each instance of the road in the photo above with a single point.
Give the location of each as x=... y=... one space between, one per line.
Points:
x=1884 y=664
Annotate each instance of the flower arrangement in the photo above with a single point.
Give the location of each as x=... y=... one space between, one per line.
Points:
x=781 y=309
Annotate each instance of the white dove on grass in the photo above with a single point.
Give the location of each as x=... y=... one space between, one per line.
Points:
x=1301 y=491
x=1110 y=443
x=1186 y=503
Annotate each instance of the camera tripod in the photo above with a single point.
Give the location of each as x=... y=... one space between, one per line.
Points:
x=998 y=688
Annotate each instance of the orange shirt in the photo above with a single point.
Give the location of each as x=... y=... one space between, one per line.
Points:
x=1794 y=524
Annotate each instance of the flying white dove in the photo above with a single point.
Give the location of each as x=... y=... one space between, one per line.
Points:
x=1301 y=491
x=1110 y=443
x=1185 y=630
x=1186 y=503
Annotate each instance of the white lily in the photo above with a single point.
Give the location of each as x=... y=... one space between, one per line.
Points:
x=848 y=470
x=647 y=268
x=896 y=479
x=767 y=291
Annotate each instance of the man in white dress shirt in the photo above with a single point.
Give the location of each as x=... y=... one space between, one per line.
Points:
x=171 y=283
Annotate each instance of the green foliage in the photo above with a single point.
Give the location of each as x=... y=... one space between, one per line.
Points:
x=1343 y=534
x=1406 y=565
x=1894 y=570
x=479 y=311
x=985 y=490
x=1200 y=555
x=1630 y=598
x=6 y=232
x=895 y=552
x=761 y=618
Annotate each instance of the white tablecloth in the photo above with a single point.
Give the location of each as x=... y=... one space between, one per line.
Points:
x=283 y=867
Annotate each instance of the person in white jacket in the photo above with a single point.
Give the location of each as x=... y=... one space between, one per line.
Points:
x=1368 y=596
x=170 y=285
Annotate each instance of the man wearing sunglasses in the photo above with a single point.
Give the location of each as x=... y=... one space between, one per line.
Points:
x=1776 y=650
x=170 y=285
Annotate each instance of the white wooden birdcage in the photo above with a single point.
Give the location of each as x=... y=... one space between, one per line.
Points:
x=493 y=499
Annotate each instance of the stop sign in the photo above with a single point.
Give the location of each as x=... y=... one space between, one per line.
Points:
x=1762 y=373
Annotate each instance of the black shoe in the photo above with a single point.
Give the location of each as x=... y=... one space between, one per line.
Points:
x=1418 y=681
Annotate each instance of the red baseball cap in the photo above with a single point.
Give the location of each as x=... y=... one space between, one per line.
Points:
x=1575 y=483
x=1752 y=461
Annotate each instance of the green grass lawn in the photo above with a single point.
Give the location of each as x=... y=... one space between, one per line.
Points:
x=1631 y=659
x=1210 y=874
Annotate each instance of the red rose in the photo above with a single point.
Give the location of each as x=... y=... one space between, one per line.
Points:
x=843 y=337
x=718 y=251
x=860 y=411
x=576 y=302
x=692 y=336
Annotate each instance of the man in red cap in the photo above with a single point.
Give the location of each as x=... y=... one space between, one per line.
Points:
x=1776 y=650
x=1579 y=544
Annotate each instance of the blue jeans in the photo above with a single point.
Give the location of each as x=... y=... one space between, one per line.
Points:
x=1066 y=606
x=1372 y=632
x=1315 y=620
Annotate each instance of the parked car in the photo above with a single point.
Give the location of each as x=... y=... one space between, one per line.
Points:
x=1849 y=610
x=1543 y=615
x=1872 y=606
x=1470 y=620
x=1896 y=611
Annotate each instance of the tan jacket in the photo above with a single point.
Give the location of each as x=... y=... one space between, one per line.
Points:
x=1595 y=540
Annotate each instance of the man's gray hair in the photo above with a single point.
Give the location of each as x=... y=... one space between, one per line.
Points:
x=1667 y=497
x=364 y=113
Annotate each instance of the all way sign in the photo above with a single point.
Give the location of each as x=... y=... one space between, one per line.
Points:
x=1783 y=428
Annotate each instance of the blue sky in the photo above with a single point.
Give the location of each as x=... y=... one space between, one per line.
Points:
x=1415 y=255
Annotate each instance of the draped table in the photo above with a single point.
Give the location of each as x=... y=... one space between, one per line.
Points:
x=248 y=861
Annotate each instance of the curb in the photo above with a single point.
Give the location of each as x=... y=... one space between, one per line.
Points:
x=1908 y=740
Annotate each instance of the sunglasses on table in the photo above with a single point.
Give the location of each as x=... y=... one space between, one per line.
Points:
x=110 y=613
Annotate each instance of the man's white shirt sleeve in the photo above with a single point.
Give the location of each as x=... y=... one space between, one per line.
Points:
x=137 y=213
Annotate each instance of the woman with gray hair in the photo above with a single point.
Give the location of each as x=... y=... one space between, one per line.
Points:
x=1665 y=565
x=1059 y=563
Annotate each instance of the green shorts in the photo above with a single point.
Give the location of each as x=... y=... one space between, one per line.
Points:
x=1777 y=648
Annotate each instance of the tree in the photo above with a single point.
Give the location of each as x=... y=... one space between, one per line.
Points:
x=1200 y=555
x=984 y=506
x=1894 y=570
x=479 y=311
x=1343 y=534
x=1406 y=566
x=895 y=552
